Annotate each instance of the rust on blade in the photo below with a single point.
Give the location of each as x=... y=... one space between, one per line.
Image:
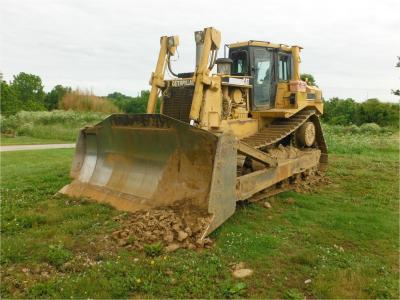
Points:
x=142 y=161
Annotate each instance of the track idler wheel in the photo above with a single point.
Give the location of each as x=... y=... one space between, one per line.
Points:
x=305 y=135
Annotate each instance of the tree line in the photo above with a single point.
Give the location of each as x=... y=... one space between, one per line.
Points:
x=25 y=92
x=347 y=111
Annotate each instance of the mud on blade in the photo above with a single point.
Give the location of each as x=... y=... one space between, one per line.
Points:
x=145 y=161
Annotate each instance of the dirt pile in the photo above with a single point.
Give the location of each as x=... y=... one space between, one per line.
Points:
x=309 y=180
x=306 y=181
x=282 y=152
x=182 y=225
x=173 y=227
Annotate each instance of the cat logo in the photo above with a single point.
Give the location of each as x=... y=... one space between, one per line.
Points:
x=183 y=82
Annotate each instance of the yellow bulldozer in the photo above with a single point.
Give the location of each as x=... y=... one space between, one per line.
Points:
x=216 y=137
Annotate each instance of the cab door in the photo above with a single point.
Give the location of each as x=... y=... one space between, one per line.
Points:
x=263 y=81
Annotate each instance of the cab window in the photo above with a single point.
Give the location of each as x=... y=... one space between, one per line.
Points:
x=239 y=66
x=262 y=74
x=284 y=67
x=263 y=71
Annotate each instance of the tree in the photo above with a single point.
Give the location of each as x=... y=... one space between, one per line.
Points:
x=9 y=102
x=29 y=90
x=340 y=111
x=130 y=104
x=374 y=111
x=309 y=79
x=52 y=99
x=397 y=92
x=347 y=111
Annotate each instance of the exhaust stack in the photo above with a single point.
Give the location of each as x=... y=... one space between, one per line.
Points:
x=199 y=38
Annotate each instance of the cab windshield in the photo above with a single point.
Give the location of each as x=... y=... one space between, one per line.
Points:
x=240 y=64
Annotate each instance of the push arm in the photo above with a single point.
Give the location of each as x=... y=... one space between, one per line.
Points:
x=167 y=48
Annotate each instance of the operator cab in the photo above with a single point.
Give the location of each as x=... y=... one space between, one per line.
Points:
x=267 y=64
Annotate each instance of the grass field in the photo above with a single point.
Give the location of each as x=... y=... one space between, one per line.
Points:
x=56 y=125
x=343 y=237
x=27 y=140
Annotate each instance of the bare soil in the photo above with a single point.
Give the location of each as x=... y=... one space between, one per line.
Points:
x=183 y=225
x=175 y=227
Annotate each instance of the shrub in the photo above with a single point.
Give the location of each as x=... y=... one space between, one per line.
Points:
x=42 y=290
x=10 y=103
x=52 y=99
x=57 y=124
x=370 y=128
x=294 y=294
x=153 y=249
x=58 y=255
x=340 y=111
x=236 y=290
x=353 y=129
x=374 y=111
x=85 y=101
x=134 y=105
x=348 y=111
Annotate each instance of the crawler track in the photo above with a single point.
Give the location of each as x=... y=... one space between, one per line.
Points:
x=281 y=128
x=302 y=182
x=271 y=136
x=278 y=130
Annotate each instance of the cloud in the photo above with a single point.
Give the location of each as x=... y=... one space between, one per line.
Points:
x=349 y=46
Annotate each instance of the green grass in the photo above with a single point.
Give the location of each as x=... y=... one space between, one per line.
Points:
x=56 y=125
x=27 y=140
x=344 y=237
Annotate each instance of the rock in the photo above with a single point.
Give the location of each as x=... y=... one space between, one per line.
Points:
x=339 y=248
x=172 y=247
x=45 y=274
x=169 y=272
x=290 y=200
x=238 y=266
x=169 y=237
x=147 y=234
x=191 y=246
x=188 y=231
x=182 y=235
x=176 y=227
x=242 y=273
x=196 y=228
x=267 y=205
x=116 y=234
x=200 y=243
x=122 y=243
x=169 y=226
x=207 y=241
x=25 y=270
x=307 y=281
x=153 y=237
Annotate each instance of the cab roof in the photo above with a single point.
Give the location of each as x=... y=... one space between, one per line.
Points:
x=261 y=44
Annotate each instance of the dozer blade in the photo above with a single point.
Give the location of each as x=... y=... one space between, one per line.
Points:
x=146 y=161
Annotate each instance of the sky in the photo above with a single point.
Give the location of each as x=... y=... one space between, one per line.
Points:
x=350 y=47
